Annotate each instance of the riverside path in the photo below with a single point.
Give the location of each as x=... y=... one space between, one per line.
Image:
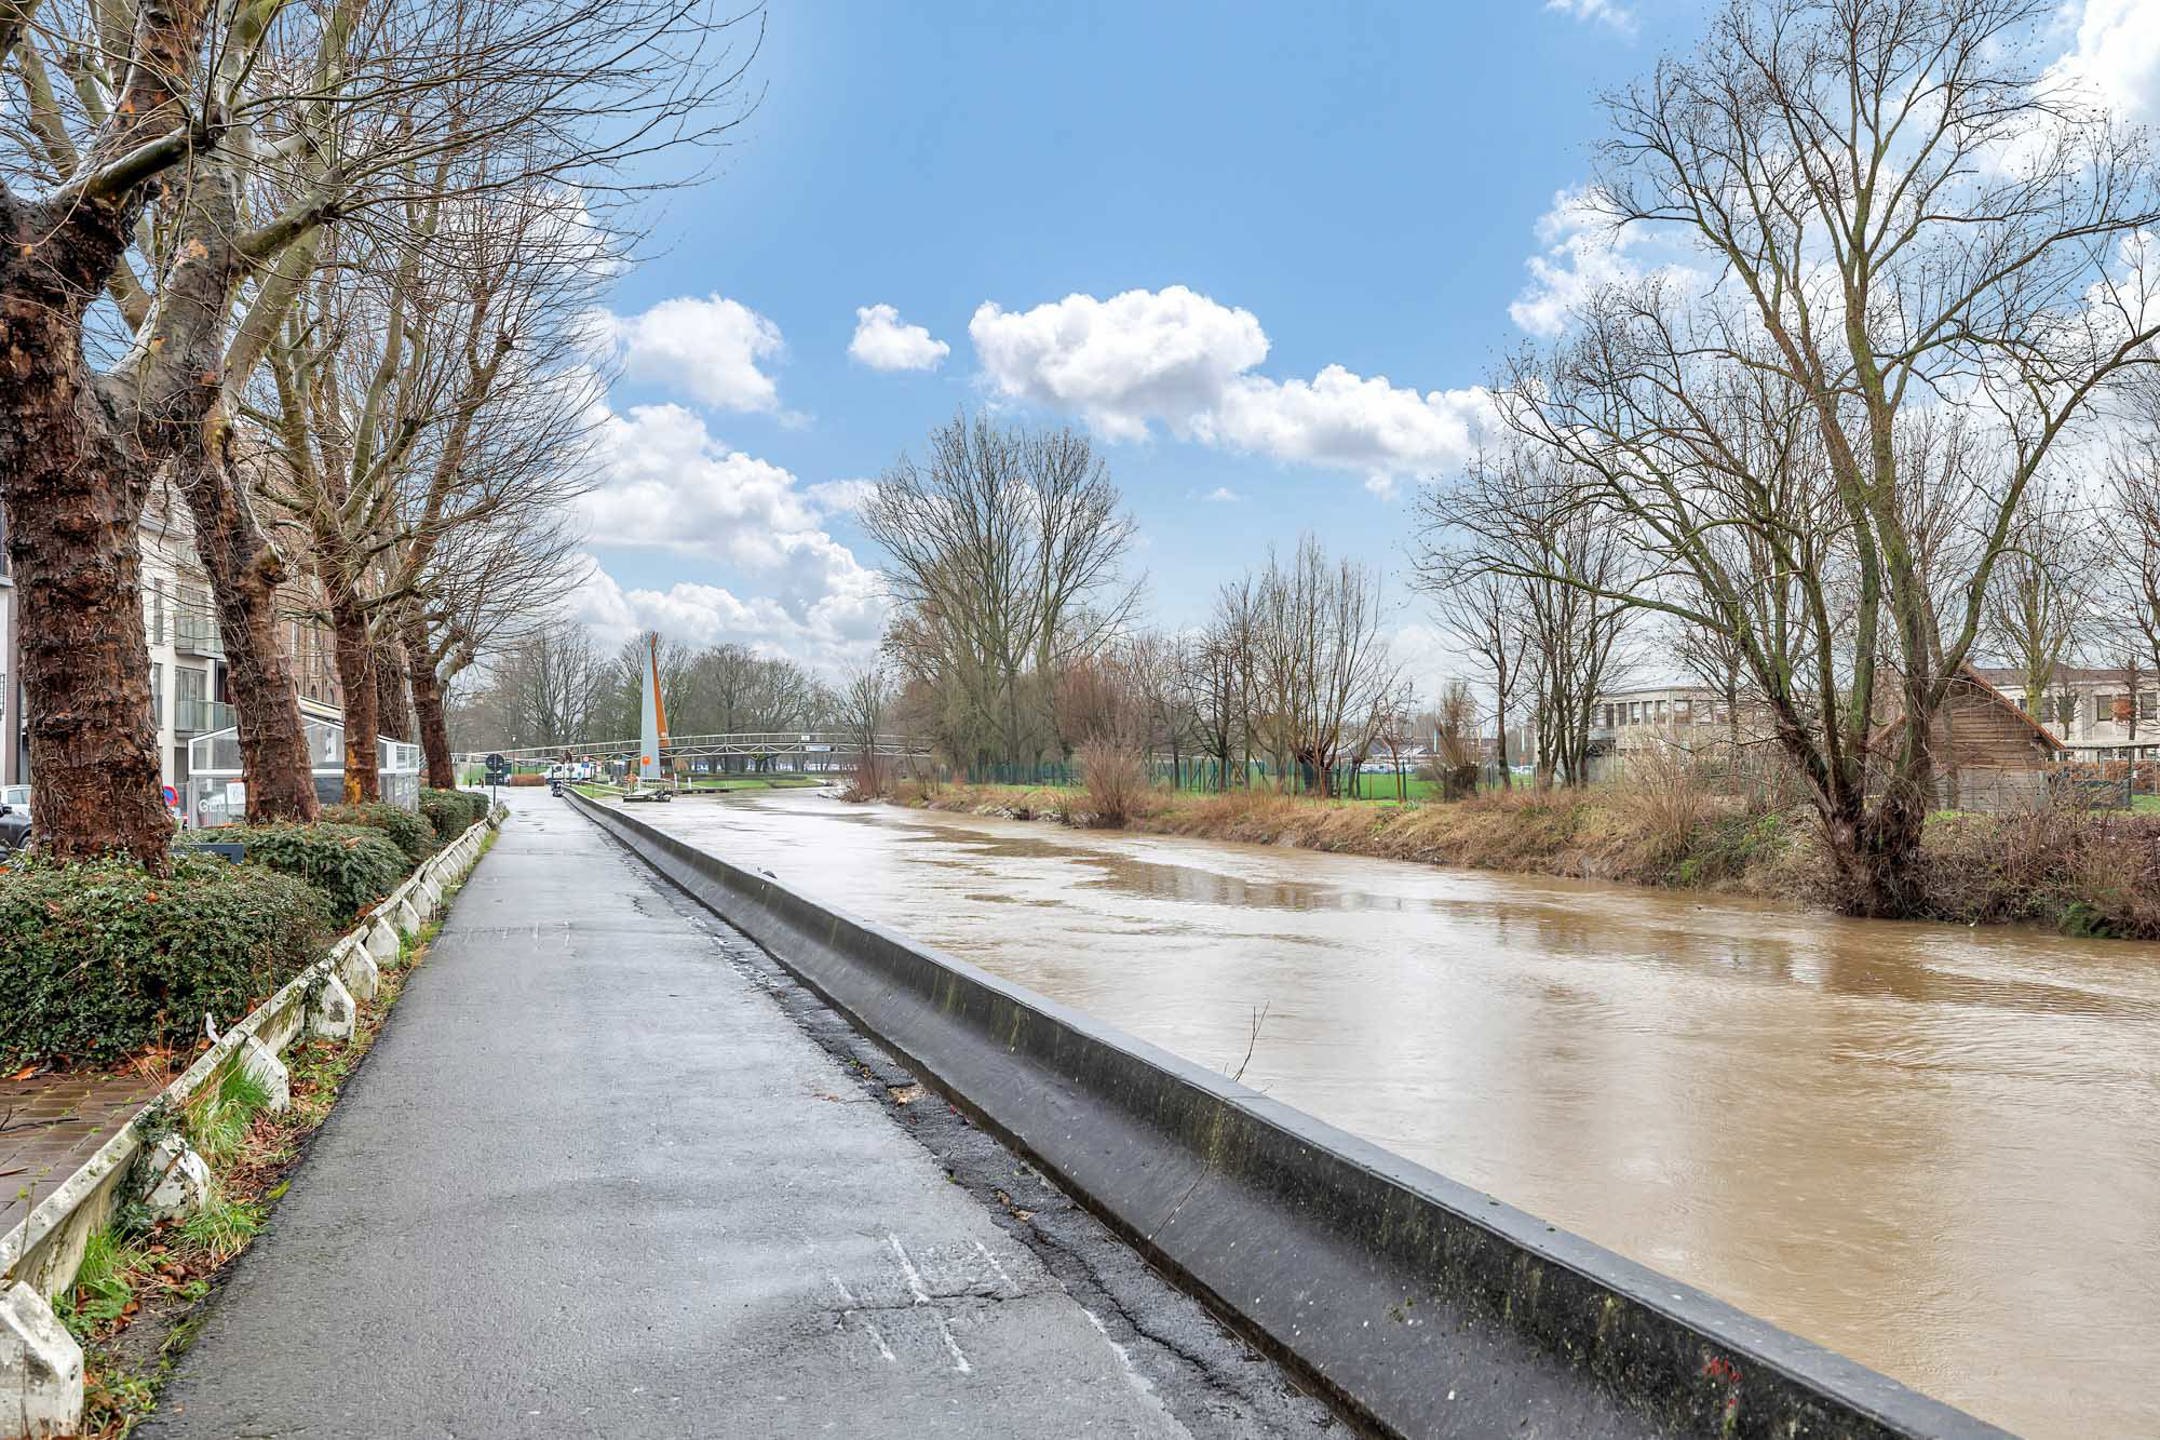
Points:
x=605 y=1174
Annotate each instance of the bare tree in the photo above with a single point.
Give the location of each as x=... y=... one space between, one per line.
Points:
x=1005 y=553
x=2041 y=603
x=1321 y=666
x=1899 y=210
x=1218 y=685
x=1455 y=730
x=1484 y=610
x=1525 y=565
x=127 y=327
x=864 y=707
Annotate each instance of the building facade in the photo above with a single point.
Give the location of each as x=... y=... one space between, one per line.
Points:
x=2100 y=713
x=189 y=692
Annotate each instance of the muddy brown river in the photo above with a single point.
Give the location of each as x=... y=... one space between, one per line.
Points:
x=1935 y=1149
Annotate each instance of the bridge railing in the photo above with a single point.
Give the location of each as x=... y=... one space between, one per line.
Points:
x=829 y=747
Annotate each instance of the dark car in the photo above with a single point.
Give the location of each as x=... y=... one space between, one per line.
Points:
x=14 y=830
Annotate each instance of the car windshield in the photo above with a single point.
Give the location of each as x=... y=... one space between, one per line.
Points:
x=17 y=796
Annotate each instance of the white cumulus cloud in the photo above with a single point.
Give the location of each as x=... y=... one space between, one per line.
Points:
x=670 y=485
x=1602 y=12
x=2114 y=57
x=706 y=350
x=883 y=343
x=1582 y=251
x=1177 y=358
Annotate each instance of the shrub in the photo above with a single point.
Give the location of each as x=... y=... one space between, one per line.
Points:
x=1116 y=779
x=1664 y=806
x=103 y=959
x=452 y=812
x=408 y=829
x=351 y=864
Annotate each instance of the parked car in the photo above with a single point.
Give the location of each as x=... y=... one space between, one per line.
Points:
x=14 y=830
x=16 y=798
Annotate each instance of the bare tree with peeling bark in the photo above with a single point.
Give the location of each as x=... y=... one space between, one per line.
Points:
x=1895 y=208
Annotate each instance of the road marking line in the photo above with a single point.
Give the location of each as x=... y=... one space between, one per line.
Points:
x=849 y=1313
x=1003 y=1278
x=959 y=1359
x=907 y=1266
x=922 y=1297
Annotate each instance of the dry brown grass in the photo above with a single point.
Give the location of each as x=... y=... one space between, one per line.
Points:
x=2086 y=872
x=2075 y=871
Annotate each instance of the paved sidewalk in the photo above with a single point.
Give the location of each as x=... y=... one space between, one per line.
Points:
x=51 y=1124
x=593 y=1182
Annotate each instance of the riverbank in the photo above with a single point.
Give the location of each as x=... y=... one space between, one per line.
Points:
x=2080 y=872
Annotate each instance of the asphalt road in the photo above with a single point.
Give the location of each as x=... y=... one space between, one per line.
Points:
x=607 y=1173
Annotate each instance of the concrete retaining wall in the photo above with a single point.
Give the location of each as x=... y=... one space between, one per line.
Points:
x=1424 y=1306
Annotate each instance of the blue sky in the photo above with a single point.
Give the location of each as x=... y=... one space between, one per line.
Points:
x=1369 y=184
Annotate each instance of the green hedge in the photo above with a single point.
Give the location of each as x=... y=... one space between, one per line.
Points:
x=452 y=812
x=100 y=960
x=353 y=865
x=407 y=829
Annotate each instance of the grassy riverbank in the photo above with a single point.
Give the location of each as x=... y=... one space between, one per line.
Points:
x=2082 y=873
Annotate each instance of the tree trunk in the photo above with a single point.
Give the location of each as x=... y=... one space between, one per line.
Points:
x=393 y=707
x=73 y=503
x=356 y=676
x=428 y=714
x=1500 y=755
x=244 y=575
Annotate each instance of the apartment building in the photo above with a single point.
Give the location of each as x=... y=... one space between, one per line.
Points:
x=189 y=692
x=2098 y=712
x=1989 y=755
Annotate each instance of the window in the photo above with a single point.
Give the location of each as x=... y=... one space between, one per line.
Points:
x=191 y=689
x=157 y=697
x=2103 y=708
x=156 y=619
x=2149 y=705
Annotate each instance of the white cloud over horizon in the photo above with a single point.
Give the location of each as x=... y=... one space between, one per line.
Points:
x=1176 y=358
x=704 y=350
x=882 y=342
x=670 y=485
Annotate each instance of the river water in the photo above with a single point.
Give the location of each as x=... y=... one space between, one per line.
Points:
x=1933 y=1148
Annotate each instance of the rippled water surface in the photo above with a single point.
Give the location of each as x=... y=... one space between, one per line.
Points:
x=1933 y=1148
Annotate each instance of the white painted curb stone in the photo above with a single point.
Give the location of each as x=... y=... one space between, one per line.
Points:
x=41 y=1368
x=260 y=1061
x=382 y=941
x=333 y=1014
x=180 y=1182
x=357 y=968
